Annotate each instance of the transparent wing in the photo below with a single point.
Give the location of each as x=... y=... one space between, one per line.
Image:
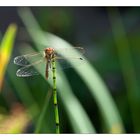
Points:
x=27 y=59
x=29 y=70
x=65 y=64
x=69 y=52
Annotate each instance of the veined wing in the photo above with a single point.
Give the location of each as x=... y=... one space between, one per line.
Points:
x=77 y=61
x=69 y=52
x=71 y=55
x=29 y=70
x=27 y=59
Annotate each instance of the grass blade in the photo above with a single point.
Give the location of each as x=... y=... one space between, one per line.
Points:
x=127 y=65
x=6 y=47
x=42 y=115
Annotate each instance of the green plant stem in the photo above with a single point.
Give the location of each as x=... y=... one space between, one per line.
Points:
x=55 y=97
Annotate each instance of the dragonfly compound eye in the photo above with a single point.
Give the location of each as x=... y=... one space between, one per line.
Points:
x=49 y=50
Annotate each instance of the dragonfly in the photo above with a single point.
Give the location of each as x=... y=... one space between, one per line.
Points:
x=28 y=62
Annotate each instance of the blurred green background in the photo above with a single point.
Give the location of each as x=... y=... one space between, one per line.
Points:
x=102 y=96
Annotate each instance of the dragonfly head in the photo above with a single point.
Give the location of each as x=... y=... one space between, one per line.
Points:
x=49 y=51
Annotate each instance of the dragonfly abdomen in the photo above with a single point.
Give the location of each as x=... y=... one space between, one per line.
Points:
x=47 y=71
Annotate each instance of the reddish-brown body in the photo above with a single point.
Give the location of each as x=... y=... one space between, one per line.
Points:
x=49 y=54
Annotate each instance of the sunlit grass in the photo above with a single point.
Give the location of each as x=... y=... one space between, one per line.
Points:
x=6 y=47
